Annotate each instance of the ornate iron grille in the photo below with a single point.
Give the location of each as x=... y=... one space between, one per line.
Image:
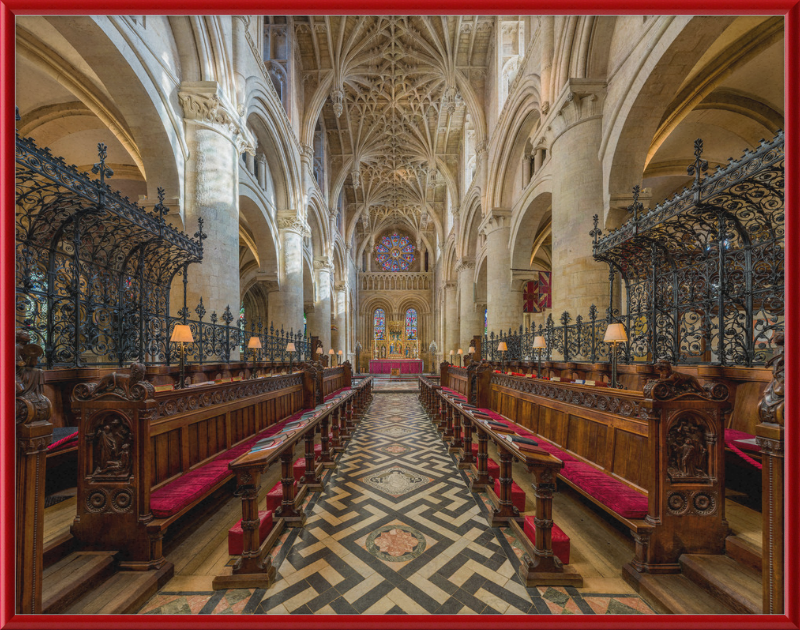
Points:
x=703 y=274
x=94 y=270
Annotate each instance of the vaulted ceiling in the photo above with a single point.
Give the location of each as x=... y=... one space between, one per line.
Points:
x=401 y=92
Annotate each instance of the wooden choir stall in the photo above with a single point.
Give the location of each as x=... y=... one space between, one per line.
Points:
x=652 y=458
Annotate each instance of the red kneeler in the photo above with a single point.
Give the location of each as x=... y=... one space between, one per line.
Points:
x=236 y=535
x=492 y=467
x=560 y=539
x=275 y=496
x=299 y=469
x=517 y=494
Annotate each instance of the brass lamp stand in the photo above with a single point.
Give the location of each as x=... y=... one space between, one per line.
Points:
x=539 y=344
x=182 y=334
x=615 y=333
x=253 y=344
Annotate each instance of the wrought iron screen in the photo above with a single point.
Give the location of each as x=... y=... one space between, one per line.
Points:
x=703 y=274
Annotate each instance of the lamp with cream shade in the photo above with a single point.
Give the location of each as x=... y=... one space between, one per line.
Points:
x=254 y=343
x=471 y=352
x=460 y=355
x=615 y=333
x=340 y=353
x=290 y=349
x=539 y=344
x=452 y=352
x=502 y=347
x=182 y=334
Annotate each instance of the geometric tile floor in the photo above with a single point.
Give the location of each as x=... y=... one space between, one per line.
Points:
x=396 y=531
x=381 y=385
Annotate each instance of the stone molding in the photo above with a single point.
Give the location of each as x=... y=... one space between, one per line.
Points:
x=306 y=151
x=308 y=307
x=495 y=219
x=204 y=104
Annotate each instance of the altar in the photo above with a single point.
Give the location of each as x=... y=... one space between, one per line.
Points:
x=386 y=366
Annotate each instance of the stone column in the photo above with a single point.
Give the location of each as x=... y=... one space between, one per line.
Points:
x=307 y=166
x=286 y=305
x=451 y=320
x=578 y=281
x=370 y=251
x=320 y=323
x=340 y=337
x=216 y=136
x=261 y=170
x=502 y=314
x=471 y=321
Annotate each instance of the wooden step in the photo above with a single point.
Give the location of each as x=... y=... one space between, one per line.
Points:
x=58 y=548
x=673 y=594
x=738 y=586
x=72 y=576
x=123 y=593
x=744 y=552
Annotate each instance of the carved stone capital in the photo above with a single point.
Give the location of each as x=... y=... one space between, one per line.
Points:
x=204 y=104
x=465 y=264
x=308 y=307
x=340 y=286
x=290 y=222
x=306 y=151
x=323 y=264
x=581 y=100
x=495 y=219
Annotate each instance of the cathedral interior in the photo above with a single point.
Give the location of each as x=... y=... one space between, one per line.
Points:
x=428 y=315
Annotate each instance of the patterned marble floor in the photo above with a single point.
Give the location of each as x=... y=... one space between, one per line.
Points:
x=385 y=385
x=396 y=531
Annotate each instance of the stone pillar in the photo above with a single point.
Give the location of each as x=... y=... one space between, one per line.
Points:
x=451 y=320
x=370 y=251
x=307 y=166
x=502 y=314
x=339 y=338
x=250 y=163
x=241 y=55
x=286 y=305
x=261 y=171
x=215 y=136
x=547 y=26
x=320 y=323
x=471 y=321
x=578 y=281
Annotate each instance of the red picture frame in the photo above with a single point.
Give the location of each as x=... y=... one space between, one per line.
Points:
x=11 y=8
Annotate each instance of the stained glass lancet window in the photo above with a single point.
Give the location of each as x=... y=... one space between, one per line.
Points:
x=411 y=324
x=394 y=253
x=379 y=324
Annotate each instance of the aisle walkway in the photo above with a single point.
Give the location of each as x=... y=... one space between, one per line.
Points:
x=396 y=531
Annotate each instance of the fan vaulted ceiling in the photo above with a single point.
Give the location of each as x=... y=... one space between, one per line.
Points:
x=401 y=93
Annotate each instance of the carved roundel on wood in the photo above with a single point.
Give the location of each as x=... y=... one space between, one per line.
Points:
x=677 y=503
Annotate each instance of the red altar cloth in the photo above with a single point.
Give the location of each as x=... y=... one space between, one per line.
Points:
x=384 y=366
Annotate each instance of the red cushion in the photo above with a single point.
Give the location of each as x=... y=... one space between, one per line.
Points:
x=176 y=495
x=299 y=469
x=559 y=538
x=275 y=496
x=517 y=494
x=613 y=494
x=733 y=436
x=492 y=467
x=236 y=535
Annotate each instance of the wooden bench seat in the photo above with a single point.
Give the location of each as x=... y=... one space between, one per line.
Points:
x=176 y=497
